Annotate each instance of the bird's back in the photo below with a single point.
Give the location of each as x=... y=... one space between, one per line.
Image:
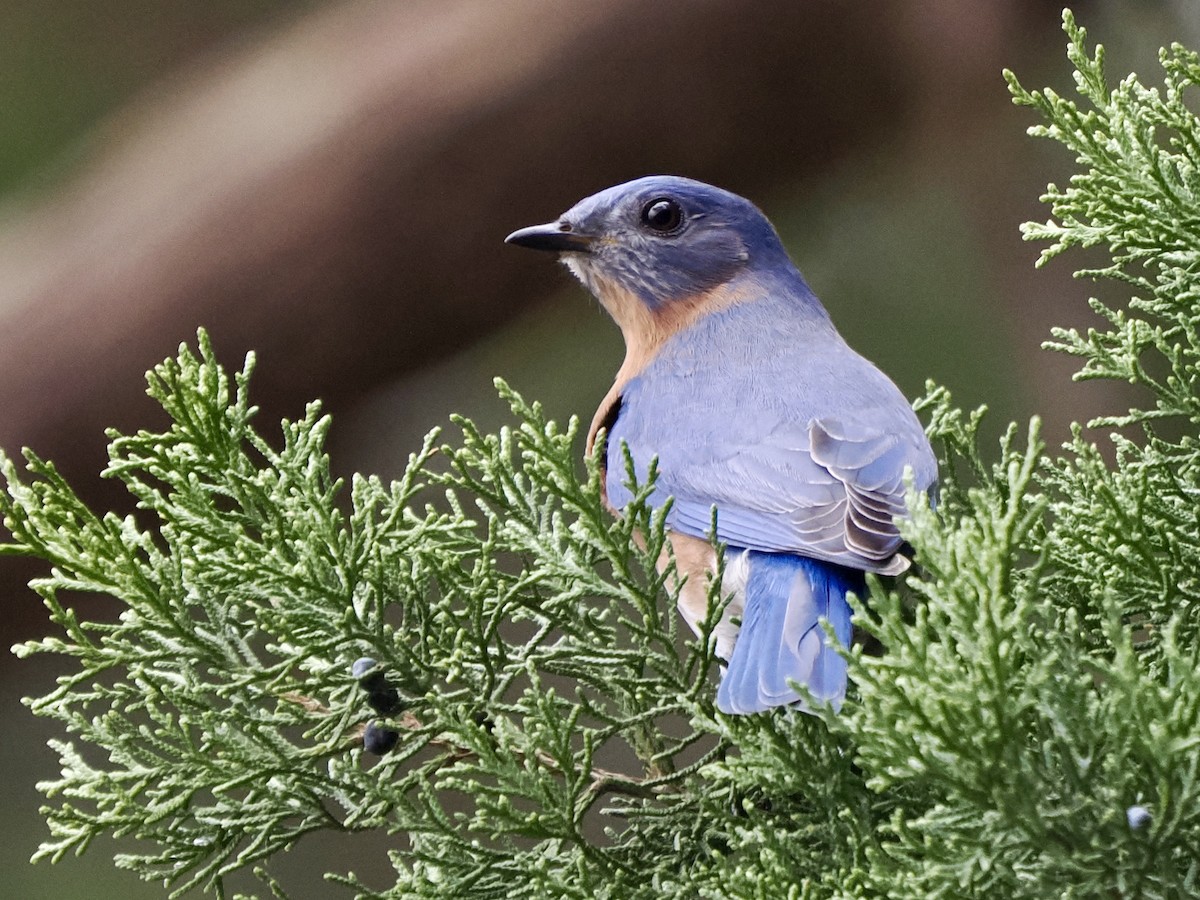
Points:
x=762 y=410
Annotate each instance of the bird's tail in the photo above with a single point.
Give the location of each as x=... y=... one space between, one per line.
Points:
x=781 y=638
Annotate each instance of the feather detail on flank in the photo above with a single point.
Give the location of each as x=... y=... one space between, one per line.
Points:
x=695 y=566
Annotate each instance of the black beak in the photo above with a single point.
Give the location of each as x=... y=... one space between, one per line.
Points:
x=556 y=237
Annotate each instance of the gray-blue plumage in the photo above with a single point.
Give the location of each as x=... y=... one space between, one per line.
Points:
x=763 y=411
x=736 y=380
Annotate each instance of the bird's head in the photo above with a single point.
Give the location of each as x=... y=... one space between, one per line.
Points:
x=657 y=250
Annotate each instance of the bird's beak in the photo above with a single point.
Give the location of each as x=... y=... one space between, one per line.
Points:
x=556 y=237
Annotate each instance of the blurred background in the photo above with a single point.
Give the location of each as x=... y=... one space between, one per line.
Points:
x=329 y=184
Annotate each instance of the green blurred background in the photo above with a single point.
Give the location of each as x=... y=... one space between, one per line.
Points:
x=330 y=183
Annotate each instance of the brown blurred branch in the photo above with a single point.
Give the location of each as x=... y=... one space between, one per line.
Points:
x=335 y=195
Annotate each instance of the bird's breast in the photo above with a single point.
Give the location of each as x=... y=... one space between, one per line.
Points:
x=647 y=330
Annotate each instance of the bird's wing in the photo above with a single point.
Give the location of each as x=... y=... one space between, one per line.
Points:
x=826 y=485
x=826 y=489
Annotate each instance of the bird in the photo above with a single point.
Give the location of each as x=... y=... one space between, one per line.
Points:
x=740 y=391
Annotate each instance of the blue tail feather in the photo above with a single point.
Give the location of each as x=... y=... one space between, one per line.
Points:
x=781 y=638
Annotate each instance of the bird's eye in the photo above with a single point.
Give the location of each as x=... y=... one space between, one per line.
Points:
x=662 y=215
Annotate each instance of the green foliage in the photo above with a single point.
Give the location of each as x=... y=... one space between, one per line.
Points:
x=1133 y=527
x=521 y=624
x=557 y=736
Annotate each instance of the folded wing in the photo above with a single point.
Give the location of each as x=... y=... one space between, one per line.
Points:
x=790 y=475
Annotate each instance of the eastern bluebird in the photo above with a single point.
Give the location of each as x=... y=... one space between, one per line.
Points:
x=736 y=380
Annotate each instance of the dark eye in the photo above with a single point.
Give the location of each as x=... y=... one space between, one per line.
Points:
x=662 y=215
